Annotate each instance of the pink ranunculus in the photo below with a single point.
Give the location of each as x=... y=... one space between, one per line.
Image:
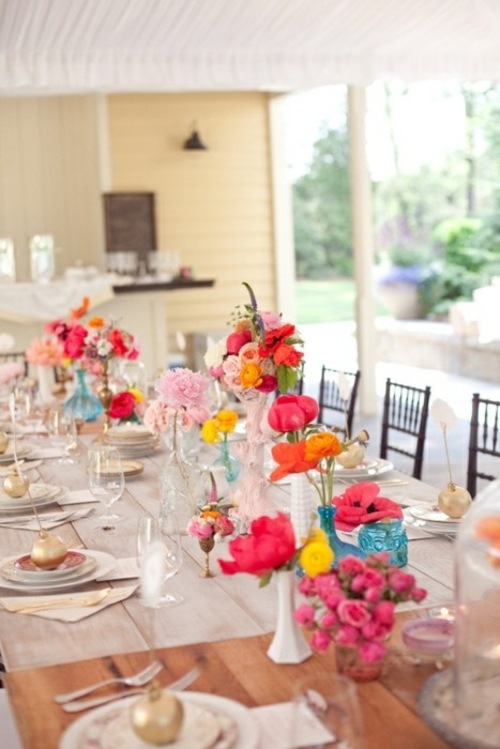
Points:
x=370 y=652
x=350 y=565
x=290 y=413
x=333 y=598
x=269 y=546
x=320 y=640
x=372 y=594
x=307 y=585
x=235 y=341
x=198 y=529
x=358 y=583
x=270 y=320
x=400 y=582
x=328 y=620
x=347 y=635
x=353 y=612
x=304 y=614
x=383 y=612
x=418 y=594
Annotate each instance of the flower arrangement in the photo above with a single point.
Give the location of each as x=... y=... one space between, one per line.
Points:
x=217 y=429
x=353 y=605
x=260 y=355
x=309 y=447
x=271 y=546
x=181 y=392
x=209 y=521
x=127 y=405
x=70 y=334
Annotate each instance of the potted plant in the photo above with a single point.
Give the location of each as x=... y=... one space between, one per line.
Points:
x=399 y=277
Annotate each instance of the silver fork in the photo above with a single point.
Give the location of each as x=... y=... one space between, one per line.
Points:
x=137 y=680
x=176 y=686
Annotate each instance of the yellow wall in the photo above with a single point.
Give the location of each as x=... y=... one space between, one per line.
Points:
x=214 y=207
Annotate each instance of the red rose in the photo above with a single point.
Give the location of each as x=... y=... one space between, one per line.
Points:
x=122 y=406
x=289 y=413
x=235 y=341
x=270 y=545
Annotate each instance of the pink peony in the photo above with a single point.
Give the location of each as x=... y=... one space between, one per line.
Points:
x=291 y=413
x=182 y=388
x=269 y=546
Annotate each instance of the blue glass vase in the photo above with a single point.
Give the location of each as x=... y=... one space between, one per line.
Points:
x=231 y=465
x=83 y=404
x=340 y=548
x=387 y=536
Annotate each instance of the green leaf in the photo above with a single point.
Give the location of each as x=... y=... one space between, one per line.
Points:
x=265 y=579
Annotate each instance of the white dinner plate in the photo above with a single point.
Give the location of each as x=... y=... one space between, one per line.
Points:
x=23 y=450
x=435 y=529
x=105 y=563
x=433 y=516
x=41 y=494
x=92 y=730
x=75 y=565
x=369 y=467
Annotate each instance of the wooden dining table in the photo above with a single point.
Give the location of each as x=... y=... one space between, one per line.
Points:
x=223 y=624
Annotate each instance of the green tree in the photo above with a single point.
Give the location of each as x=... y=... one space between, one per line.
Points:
x=322 y=213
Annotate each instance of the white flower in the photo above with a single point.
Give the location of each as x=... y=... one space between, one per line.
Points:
x=214 y=355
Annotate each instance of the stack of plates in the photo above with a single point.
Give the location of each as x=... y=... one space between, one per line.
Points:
x=431 y=519
x=78 y=568
x=133 y=440
x=39 y=494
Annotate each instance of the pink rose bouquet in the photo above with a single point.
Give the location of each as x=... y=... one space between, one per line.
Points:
x=260 y=355
x=353 y=605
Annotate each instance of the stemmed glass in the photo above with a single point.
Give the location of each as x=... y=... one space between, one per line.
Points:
x=106 y=479
x=63 y=434
x=326 y=713
x=164 y=531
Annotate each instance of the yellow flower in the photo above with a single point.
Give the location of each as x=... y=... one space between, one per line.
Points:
x=226 y=421
x=209 y=432
x=322 y=445
x=138 y=394
x=316 y=557
x=251 y=375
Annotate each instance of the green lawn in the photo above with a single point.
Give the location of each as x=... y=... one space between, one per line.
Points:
x=327 y=301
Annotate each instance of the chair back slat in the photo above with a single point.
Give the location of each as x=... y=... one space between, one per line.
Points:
x=484 y=442
x=334 y=411
x=405 y=412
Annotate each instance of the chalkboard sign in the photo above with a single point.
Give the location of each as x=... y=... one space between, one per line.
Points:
x=130 y=222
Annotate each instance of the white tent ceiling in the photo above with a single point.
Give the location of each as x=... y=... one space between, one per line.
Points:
x=79 y=46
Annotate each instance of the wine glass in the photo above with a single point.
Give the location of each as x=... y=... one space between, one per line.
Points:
x=326 y=713
x=63 y=433
x=106 y=479
x=163 y=531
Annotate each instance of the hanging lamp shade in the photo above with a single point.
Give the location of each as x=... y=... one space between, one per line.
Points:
x=194 y=142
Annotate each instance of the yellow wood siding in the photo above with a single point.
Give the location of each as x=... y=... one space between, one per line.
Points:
x=214 y=207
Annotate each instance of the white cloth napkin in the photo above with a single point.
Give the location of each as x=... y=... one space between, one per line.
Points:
x=124 y=569
x=44 y=453
x=276 y=726
x=76 y=497
x=74 y=613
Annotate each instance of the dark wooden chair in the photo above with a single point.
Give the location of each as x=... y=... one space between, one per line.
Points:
x=484 y=442
x=334 y=411
x=404 y=423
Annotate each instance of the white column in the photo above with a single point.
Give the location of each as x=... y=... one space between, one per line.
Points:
x=362 y=236
x=284 y=257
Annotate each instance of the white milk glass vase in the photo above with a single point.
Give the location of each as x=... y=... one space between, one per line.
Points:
x=288 y=644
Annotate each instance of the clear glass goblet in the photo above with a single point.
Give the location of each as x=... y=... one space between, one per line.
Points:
x=106 y=479
x=162 y=531
x=63 y=433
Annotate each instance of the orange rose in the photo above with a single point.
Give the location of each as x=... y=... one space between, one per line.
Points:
x=251 y=375
x=287 y=355
x=322 y=445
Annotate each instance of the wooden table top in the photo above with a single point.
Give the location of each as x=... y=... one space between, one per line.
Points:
x=240 y=670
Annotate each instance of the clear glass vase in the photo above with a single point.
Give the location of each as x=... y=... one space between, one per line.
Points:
x=179 y=479
x=229 y=462
x=350 y=664
x=83 y=404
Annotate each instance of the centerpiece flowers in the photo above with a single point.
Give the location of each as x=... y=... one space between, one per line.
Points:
x=217 y=430
x=208 y=526
x=270 y=548
x=261 y=355
x=352 y=607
